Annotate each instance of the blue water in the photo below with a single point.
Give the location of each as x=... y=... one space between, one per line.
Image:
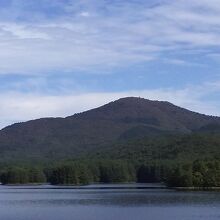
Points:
x=106 y=202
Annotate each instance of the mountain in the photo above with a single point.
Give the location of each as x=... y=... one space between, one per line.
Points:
x=124 y=119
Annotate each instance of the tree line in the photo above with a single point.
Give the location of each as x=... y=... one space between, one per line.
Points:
x=20 y=175
x=82 y=172
x=200 y=173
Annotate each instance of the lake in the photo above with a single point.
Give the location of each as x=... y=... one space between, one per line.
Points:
x=106 y=202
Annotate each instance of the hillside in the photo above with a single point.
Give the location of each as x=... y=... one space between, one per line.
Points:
x=122 y=120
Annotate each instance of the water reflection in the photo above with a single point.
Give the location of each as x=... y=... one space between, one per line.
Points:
x=143 y=201
x=105 y=197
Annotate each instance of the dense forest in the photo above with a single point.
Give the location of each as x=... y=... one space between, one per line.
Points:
x=129 y=140
x=20 y=175
x=199 y=173
x=196 y=174
x=176 y=160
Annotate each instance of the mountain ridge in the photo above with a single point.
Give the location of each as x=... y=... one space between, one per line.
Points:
x=126 y=118
x=118 y=100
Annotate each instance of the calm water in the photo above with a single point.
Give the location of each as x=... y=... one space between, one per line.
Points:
x=106 y=202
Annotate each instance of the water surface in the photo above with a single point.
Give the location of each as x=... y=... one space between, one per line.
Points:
x=106 y=202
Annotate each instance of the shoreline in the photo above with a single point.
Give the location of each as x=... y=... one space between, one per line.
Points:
x=195 y=188
x=109 y=186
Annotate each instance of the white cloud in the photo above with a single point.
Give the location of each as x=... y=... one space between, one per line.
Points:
x=85 y=14
x=107 y=35
x=22 y=31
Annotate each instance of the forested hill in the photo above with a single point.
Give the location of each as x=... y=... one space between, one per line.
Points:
x=122 y=120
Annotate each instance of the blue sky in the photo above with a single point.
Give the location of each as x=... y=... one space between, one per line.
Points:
x=61 y=57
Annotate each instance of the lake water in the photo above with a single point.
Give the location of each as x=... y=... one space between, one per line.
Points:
x=106 y=202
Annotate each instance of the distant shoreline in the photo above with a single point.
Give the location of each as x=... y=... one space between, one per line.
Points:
x=103 y=186
x=196 y=188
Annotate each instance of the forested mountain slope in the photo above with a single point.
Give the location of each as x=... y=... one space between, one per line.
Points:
x=122 y=120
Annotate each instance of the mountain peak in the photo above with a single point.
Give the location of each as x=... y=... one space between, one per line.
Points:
x=134 y=100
